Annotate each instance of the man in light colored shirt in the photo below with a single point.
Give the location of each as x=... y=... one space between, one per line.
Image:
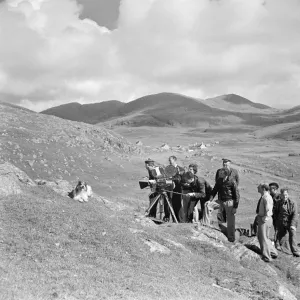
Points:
x=264 y=213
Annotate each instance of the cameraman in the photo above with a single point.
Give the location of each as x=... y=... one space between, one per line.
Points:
x=151 y=168
x=193 y=189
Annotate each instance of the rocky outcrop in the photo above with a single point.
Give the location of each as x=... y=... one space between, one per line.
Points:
x=12 y=180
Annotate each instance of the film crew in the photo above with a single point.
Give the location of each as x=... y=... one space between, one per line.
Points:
x=228 y=201
x=264 y=213
x=193 y=189
x=176 y=198
x=198 y=213
x=286 y=221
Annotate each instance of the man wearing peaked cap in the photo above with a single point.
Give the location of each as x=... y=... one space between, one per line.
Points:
x=227 y=202
x=233 y=175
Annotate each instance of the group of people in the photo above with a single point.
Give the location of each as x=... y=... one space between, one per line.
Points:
x=193 y=200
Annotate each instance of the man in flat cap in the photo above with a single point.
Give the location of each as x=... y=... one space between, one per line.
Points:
x=228 y=200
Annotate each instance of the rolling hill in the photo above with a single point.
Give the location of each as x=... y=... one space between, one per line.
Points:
x=232 y=102
x=88 y=113
x=168 y=109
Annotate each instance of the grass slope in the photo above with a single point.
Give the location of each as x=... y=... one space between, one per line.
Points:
x=55 y=248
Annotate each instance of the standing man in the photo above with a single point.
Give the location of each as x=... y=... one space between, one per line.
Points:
x=228 y=200
x=193 y=189
x=233 y=175
x=286 y=218
x=160 y=207
x=264 y=213
x=274 y=192
x=176 y=198
x=150 y=167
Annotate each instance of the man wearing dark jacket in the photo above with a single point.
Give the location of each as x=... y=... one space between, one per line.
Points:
x=286 y=222
x=233 y=175
x=198 y=213
x=193 y=189
x=276 y=196
x=176 y=198
x=228 y=200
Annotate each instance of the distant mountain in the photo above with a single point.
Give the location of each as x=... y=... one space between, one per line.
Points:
x=293 y=110
x=237 y=103
x=168 y=109
x=89 y=113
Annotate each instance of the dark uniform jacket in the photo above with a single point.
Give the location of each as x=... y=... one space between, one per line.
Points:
x=232 y=175
x=177 y=178
x=197 y=187
x=227 y=190
x=285 y=213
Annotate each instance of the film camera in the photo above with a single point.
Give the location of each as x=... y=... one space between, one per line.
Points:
x=160 y=181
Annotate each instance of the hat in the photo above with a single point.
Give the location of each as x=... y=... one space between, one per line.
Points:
x=274 y=184
x=225 y=160
x=149 y=160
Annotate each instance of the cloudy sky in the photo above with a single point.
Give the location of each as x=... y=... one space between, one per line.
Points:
x=58 y=51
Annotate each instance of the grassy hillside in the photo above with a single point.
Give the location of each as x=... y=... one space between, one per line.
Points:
x=53 y=247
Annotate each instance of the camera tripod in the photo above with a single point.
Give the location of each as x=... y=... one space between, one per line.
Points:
x=160 y=200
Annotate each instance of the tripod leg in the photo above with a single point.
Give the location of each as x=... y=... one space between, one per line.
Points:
x=171 y=208
x=151 y=205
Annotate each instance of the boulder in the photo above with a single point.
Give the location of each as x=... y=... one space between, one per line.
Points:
x=139 y=143
x=202 y=146
x=285 y=293
x=165 y=147
x=12 y=180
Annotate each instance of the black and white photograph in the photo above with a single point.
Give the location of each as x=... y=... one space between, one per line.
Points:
x=149 y=149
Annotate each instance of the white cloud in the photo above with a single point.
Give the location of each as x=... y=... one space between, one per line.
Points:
x=197 y=47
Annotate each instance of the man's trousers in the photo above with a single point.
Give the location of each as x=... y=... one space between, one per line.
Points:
x=226 y=206
x=286 y=240
x=263 y=234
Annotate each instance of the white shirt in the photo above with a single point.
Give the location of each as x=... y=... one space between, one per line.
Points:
x=266 y=206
